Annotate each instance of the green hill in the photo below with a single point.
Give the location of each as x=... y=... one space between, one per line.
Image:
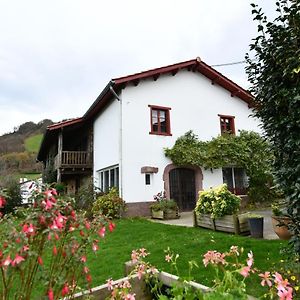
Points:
x=32 y=143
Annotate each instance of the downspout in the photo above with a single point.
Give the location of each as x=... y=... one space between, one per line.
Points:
x=120 y=140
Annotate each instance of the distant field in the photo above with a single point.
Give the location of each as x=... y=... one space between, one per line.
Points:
x=32 y=144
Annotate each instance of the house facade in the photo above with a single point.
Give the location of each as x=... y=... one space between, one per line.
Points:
x=135 y=117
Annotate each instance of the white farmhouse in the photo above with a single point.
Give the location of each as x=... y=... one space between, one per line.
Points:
x=135 y=117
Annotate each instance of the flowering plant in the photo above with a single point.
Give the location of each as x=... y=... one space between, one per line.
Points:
x=46 y=250
x=162 y=203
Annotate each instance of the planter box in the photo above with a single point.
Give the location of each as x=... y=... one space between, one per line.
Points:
x=165 y=215
x=237 y=224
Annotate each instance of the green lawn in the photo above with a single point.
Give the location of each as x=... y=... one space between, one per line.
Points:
x=32 y=144
x=189 y=243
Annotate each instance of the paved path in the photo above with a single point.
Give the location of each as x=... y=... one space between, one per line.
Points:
x=186 y=219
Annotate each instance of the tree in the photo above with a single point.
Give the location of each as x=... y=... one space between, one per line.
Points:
x=273 y=66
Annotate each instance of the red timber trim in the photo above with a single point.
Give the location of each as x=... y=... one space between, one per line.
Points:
x=231 y=122
x=64 y=123
x=168 y=123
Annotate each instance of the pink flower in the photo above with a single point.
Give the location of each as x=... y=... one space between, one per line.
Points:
x=143 y=252
x=65 y=290
x=250 y=259
x=54 y=250
x=234 y=250
x=18 y=259
x=214 y=257
x=101 y=231
x=28 y=229
x=87 y=225
x=86 y=270
x=25 y=248
x=285 y=293
x=141 y=271
x=245 y=271
x=110 y=283
x=134 y=256
x=2 y=201
x=130 y=297
x=95 y=247
x=265 y=279
x=111 y=226
x=83 y=259
x=88 y=278
x=168 y=258
x=50 y=294
x=40 y=261
x=7 y=261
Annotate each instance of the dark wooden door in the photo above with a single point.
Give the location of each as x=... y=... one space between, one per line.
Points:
x=182 y=188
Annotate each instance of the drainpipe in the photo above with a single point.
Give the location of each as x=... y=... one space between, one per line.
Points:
x=120 y=140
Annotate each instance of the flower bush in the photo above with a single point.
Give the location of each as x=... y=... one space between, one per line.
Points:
x=162 y=203
x=47 y=248
x=109 y=205
x=217 y=202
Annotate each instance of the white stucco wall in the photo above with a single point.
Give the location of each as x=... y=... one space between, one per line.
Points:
x=195 y=104
x=106 y=138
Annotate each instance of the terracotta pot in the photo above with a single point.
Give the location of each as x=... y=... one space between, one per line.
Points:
x=282 y=231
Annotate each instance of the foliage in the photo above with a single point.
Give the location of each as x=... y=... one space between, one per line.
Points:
x=217 y=202
x=229 y=283
x=274 y=75
x=11 y=188
x=247 y=150
x=109 y=205
x=32 y=143
x=51 y=223
x=162 y=203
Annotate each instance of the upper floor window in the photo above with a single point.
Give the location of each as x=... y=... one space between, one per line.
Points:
x=227 y=124
x=160 y=120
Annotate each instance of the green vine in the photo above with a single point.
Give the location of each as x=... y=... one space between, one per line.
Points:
x=247 y=150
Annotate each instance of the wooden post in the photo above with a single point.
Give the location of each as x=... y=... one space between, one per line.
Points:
x=236 y=224
x=59 y=152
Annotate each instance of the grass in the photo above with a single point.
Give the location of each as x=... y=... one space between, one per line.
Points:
x=189 y=243
x=32 y=144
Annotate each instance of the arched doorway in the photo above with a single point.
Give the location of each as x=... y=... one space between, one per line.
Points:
x=182 y=184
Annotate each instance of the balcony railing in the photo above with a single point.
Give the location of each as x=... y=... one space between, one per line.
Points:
x=73 y=159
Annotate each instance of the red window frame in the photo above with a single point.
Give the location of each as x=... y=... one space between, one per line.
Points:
x=166 y=110
x=223 y=120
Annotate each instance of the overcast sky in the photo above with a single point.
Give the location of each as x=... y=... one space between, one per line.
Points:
x=56 y=56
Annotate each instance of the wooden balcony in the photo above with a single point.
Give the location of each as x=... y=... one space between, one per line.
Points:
x=73 y=159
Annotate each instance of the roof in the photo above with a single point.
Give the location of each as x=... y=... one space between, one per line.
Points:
x=194 y=65
x=117 y=84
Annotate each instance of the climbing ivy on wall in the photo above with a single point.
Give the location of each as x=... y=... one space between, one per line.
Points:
x=247 y=150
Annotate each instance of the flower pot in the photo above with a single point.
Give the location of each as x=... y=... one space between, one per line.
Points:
x=280 y=226
x=256 y=226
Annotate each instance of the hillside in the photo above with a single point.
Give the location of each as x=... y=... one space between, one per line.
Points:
x=18 y=149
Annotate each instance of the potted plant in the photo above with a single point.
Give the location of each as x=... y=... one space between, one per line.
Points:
x=164 y=208
x=217 y=209
x=256 y=225
x=280 y=222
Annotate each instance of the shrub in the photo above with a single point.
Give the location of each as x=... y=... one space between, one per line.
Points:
x=217 y=202
x=109 y=205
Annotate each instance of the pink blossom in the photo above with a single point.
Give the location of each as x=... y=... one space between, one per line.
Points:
x=18 y=259
x=86 y=270
x=141 y=271
x=50 y=294
x=109 y=283
x=234 y=250
x=285 y=293
x=2 y=201
x=130 y=297
x=40 y=261
x=83 y=259
x=28 y=229
x=65 y=290
x=245 y=271
x=95 y=247
x=125 y=284
x=7 y=261
x=214 y=257
x=88 y=278
x=101 y=231
x=250 y=259
x=168 y=258
x=134 y=256
x=111 y=226
x=265 y=279
x=143 y=252
x=54 y=250
x=87 y=225
x=25 y=248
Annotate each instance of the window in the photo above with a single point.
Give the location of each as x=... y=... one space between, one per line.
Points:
x=109 y=177
x=236 y=180
x=227 y=124
x=160 y=120
x=147 y=179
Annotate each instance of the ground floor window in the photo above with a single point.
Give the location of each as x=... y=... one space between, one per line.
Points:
x=236 y=180
x=108 y=178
